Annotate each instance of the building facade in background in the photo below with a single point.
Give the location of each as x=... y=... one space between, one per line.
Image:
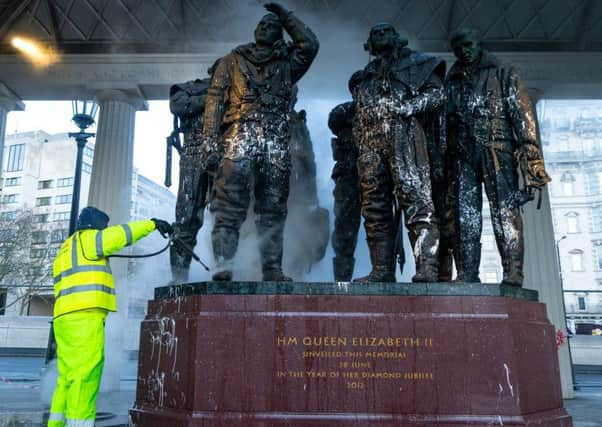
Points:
x=572 y=143
x=571 y=133
x=37 y=176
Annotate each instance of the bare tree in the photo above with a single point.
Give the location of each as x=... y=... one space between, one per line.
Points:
x=28 y=245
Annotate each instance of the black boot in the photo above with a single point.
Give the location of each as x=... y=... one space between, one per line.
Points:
x=513 y=272
x=471 y=260
x=426 y=254
x=445 y=265
x=270 y=246
x=342 y=267
x=383 y=261
x=224 y=241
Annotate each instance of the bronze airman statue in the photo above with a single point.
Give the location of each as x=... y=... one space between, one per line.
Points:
x=397 y=92
x=491 y=130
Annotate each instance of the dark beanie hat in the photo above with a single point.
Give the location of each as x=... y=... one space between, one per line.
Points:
x=92 y=218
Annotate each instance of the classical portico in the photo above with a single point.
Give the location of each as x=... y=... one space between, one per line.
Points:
x=124 y=55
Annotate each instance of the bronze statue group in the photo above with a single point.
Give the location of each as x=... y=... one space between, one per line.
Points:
x=414 y=146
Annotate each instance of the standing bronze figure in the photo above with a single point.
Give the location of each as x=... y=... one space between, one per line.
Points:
x=347 y=196
x=347 y=193
x=396 y=93
x=491 y=124
x=246 y=123
x=187 y=103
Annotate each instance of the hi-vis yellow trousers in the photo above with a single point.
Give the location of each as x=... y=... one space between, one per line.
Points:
x=80 y=359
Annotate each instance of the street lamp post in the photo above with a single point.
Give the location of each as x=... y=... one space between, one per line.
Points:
x=568 y=341
x=83 y=116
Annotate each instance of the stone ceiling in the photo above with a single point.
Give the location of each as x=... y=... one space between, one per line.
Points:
x=192 y=26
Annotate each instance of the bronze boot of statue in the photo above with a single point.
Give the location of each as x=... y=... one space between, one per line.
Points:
x=382 y=256
x=224 y=242
x=513 y=272
x=426 y=253
x=343 y=268
x=445 y=264
x=270 y=246
x=470 y=258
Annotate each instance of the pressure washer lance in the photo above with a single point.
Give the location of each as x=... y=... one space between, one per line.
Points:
x=174 y=239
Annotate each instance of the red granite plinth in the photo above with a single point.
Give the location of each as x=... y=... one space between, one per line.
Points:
x=347 y=360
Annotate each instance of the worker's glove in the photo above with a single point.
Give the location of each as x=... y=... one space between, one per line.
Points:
x=163 y=227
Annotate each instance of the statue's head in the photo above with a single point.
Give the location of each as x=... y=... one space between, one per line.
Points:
x=92 y=218
x=269 y=30
x=384 y=38
x=466 y=45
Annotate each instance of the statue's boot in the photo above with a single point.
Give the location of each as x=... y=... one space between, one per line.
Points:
x=342 y=267
x=426 y=253
x=513 y=249
x=225 y=241
x=470 y=259
x=445 y=264
x=270 y=246
x=513 y=271
x=180 y=259
x=382 y=257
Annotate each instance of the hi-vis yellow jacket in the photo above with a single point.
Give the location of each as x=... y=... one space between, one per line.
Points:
x=81 y=271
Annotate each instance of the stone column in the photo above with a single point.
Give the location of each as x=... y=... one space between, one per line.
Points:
x=8 y=102
x=541 y=269
x=110 y=191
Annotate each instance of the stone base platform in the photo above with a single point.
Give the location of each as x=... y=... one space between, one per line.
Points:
x=339 y=354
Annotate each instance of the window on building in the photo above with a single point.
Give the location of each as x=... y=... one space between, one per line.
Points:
x=12 y=182
x=42 y=185
x=87 y=167
x=88 y=151
x=43 y=201
x=593 y=182
x=581 y=303
x=598 y=254
x=37 y=253
x=8 y=215
x=596 y=219
x=61 y=216
x=16 y=154
x=572 y=222
x=39 y=237
x=9 y=198
x=491 y=277
x=568 y=180
x=40 y=218
x=63 y=199
x=488 y=242
x=576 y=260
x=7 y=233
x=59 y=235
x=53 y=251
x=64 y=182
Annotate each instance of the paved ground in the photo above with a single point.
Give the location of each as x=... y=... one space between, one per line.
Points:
x=22 y=392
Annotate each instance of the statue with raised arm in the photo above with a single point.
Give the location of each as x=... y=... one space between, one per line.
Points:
x=492 y=133
x=245 y=132
x=398 y=92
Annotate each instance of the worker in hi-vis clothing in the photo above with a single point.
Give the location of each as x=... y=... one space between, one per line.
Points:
x=84 y=292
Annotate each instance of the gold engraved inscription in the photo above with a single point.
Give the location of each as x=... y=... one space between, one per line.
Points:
x=357 y=360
